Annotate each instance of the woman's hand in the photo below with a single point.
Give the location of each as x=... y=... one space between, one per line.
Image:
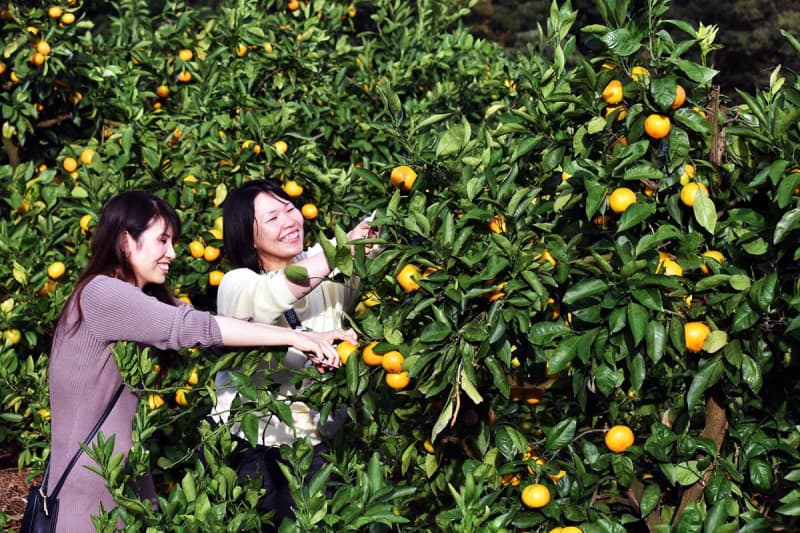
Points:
x=320 y=348
x=364 y=230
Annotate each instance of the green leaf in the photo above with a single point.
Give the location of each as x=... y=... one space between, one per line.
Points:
x=621 y=41
x=622 y=465
x=635 y=214
x=656 y=340
x=296 y=273
x=469 y=388
x=585 y=289
x=705 y=212
x=650 y=499
x=706 y=377
x=716 y=516
x=751 y=373
x=561 y=435
x=249 y=426
x=637 y=321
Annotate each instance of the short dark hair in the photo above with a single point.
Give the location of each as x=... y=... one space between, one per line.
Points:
x=238 y=213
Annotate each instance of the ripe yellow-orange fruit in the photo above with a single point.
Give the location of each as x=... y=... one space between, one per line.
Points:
x=185 y=76
x=281 y=147
x=215 y=277
x=713 y=254
x=211 y=253
x=370 y=357
x=621 y=199
x=497 y=293
x=293 y=189
x=613 y=92
x=497 y=224
x=12 y=335
x=393 y=362
x=162 y=91
x=154 y=401
x=309 y=211
x=403 y=176
x=193 y=378
x=622 y=112
x=407 y=277
x=67 y=18
x=690 y=191
x=38 y=59
x=680 y=97
x=85 y=222
x=293 y=5
x=428 y=445
x=619 y=438
x=241 y=50
x=185 y=54
x=688 y=174
x=196 y=249
x=639 y=73
x=87 y=155
x=345 y=349
x=560 y=474
x=695 y=334
x=398 y=381
x=55 y=12
x=180 y=396
x=535 y=496
x=43 y=48
x=657 y=126
x=70 y=164
x=547 y=256
x=671 y=268
x=56 y=270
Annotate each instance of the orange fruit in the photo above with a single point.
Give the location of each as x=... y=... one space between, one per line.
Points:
x=623 y=112
x=154 y=401
x=345 y=349
x=688 y=174
x=241 y=50
x=180 y=396
x=613 y=93
x=87 y=155
x=293 y=189
x=309 y=211
x=547 y=256
x=70 y=164
x=657 y=126
x=185 y=76
x=497 y=224
x=370 y=357
x=695 y=334
x=43 y=48
x=193 y=378
x=621 y=199
x=428 y=445
x=162 y=91
x=690 y=191
x=397 y=381
x=281 y=147
x=408 y=276
x=680 y=97
x=85 y=222
x=535 y=496
x=393 y=362
x=534 y=396
x=56 y=270
x=497 y=293
x=196 y=249
x=211 y=253
x=12 y=335
x=38 y=59
x=714 y=255
x=619 y=438
x=403 y=176
x=185 y=54
x=67 y=19
x=215 y=277
x=293 y=5
x=559 y=475
x=639 y=73
x=571 y=529
x=55 y=12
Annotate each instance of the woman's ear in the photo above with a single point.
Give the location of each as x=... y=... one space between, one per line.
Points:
x=126 y=243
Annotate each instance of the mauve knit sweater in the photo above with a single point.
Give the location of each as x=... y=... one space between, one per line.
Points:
x=84 y=376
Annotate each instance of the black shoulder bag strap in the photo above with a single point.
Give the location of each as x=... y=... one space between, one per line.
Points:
x=293 y=320
x=77 y=455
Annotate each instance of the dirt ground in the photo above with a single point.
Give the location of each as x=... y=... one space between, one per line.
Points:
x=13 y=489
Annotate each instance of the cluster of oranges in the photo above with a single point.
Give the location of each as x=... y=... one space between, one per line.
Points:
x=392 y=362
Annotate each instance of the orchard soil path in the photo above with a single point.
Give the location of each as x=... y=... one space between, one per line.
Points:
x=13 y=488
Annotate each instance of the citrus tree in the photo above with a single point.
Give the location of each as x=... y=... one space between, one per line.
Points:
x=584 y=313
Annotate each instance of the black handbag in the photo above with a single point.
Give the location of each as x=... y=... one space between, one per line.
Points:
x=41 y=511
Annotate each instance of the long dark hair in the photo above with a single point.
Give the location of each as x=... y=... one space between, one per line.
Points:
x=239 y=214
x=129 y=212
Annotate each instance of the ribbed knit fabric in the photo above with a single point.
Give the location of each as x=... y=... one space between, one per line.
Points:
x=84 y=376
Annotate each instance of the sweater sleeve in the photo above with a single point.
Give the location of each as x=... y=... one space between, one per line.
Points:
x=114 y=310
x=247 y=294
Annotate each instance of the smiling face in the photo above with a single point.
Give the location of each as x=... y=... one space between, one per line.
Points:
x=151 y=254
x=277 y=231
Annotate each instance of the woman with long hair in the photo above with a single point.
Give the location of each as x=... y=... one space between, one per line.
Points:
x=121 y=296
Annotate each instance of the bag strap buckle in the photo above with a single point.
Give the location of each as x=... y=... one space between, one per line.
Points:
x=44 y=501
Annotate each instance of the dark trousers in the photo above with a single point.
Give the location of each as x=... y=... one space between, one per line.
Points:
x=262 y=461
